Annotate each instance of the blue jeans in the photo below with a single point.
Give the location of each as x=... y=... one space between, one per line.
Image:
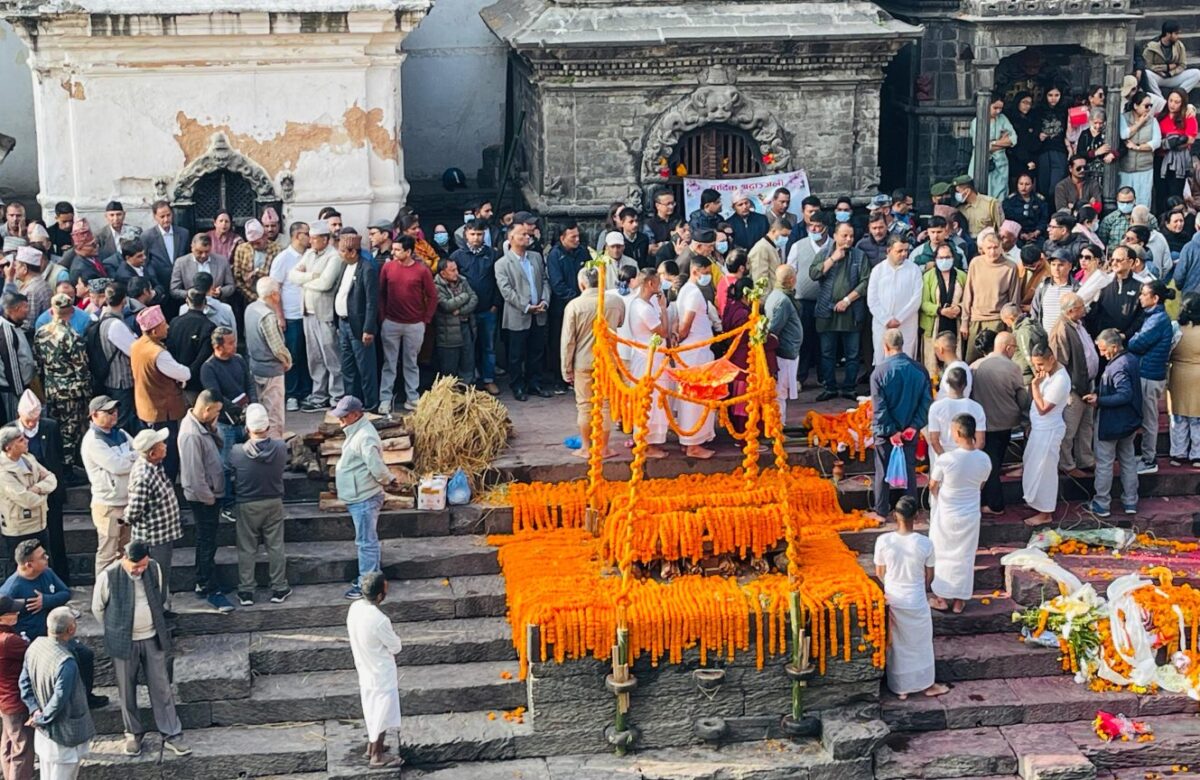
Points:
x=365 y=515
x=359 y=375
x=849 y=342
x=297 y=383
x=231 y=436
x=485 y=345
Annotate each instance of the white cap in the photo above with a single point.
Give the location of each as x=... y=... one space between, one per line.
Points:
x=318 y=227
x=614 y=239
x=257 y=419
x=740 y=196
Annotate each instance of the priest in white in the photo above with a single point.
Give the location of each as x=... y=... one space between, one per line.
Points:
x=904 y=560
x=894 y=297
x=647 y=317
x=956 y=481
x=695 y=421
x=1051 y=387
x=943 y=411
x=374 y=645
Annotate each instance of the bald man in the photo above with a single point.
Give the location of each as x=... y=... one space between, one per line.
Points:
x=1000 y=390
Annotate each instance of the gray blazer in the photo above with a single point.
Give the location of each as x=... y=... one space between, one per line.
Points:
x=186 y=268
x=514 y=289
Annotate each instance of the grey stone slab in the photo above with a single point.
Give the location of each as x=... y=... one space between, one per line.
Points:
x=212 y=667
x=944 y=754
x=1060 y=699
x=246 y=751
x=193 y=715
x=977 y=703
x=521 y=769
x=461 y=736
x=1044 y=752
x=106 y=759
x=916 y=713
x=1176 y=741
x=478 y=596
x=984 y=656
x=845 y=735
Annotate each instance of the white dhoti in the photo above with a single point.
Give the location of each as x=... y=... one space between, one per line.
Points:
x=786 y=386
x=910 y=664
x=690 y=415
x=58 y=762
x=955 y=537
x=1039 y=479
x=381 y=710
x=657 y=425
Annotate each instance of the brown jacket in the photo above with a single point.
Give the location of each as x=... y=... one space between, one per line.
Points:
x=1068 y=350
x=156 y=396
x=997 y=387
x=577 y=336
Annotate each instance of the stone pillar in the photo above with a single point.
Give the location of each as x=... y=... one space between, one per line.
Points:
x=983 y=99
x=1114 y=73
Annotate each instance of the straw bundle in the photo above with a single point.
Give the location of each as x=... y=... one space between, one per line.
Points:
x=456 y=427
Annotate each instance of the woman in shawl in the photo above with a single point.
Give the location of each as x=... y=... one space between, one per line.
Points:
x=1022 y=155
x=1001 y=137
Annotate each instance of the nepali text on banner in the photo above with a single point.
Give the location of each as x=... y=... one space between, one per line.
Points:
x=759 y=188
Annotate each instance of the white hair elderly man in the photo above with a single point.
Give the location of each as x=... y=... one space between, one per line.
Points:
x=268 y=353
x=53 y=692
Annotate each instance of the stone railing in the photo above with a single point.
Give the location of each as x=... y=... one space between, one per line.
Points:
x=1001 y=8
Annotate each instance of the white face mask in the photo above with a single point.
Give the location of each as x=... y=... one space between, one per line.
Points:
x=704 y=280
x=945 y=263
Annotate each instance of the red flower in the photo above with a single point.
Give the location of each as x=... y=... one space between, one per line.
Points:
x=768 y=158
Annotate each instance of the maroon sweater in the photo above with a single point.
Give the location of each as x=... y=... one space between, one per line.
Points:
x=12 y=656
x=406 y=293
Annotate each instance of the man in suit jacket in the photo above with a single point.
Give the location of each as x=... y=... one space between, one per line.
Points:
x=356 y=306
x=202 y=258
x=525 y=287
x=1073 y=348
x=164 y=243
x=45 y=443
x=110 y=238
x=85 y=261
x=134 y=266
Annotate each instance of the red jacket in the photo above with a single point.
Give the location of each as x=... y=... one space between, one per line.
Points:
x=12 y=657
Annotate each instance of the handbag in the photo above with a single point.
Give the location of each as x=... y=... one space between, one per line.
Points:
x=897 y=470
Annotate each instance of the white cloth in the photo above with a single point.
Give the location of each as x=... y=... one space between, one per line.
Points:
x=942 y=389
x=942 y=413
x=290 y=293
x=894 y=293
x=373 y=643
x=954 y=521
x=910 y=662
x=171 y=367
x=1039 y=478
x=786 y=386
x=623 y=330
x=341 y=301
x=691 y=300
x=643 y=318
x=905 y=557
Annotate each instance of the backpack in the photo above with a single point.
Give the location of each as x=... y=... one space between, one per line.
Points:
x=98 y=360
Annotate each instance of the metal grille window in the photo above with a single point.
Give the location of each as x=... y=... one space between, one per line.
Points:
x=713 y=152
x=223 y=191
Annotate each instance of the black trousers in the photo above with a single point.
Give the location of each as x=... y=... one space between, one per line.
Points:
x=883 y=491
x=526 y=357
x=995 y=444
x=207 y=517
x=54 y=532
x=86 y=657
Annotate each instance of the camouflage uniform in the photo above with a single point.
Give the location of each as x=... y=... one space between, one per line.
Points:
x=62 y=361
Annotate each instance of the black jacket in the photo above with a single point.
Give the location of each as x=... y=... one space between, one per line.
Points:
x=362 y=304
x=1117 y=307
x=189 y=341
x=91 y=268
x=158 y=262
x=126 y=274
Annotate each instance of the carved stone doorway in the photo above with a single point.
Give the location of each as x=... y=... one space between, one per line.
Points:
x=713 y=152
x=222 y=179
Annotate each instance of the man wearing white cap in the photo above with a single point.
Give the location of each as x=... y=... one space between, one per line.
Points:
x=258 y=466
x=271 y=225
x=252 y=259
x=614 y=258
x=748 y=225
x=158 y=381
x=108 y=457
x=319 y=271
x=153 y=511
x=44 y=438
x=25 y=276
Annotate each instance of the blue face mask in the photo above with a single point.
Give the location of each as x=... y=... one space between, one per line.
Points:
x=781 y=242
x=704 y=280
x=841 y=216
x=441 y=239
x=722 y=246
x=1125 y=208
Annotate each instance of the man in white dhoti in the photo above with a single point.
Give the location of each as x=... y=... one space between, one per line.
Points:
x=694 y=420
x=647 y=317
x=894 y=297
x=943 y=411
x=1051 y=387
x=904 y=560
x=373 y=643
x=956 y=482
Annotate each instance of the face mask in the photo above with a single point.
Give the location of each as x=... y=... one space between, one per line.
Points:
x=704 y=280
x=959 y=197
x=817 y=238
x=841 y=216
x=945 y=263
x=467 y=217
x=722 y=246
x=1125 y=208
x=781 y=242
x=441 y=238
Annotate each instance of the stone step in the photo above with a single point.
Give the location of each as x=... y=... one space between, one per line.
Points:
x=448 y=737
x=296 y=487
x=943 y=754
x=464 y=640
x=1054 y=698
x=1031 y=589
x=1176 y=741
x=986 y=656
x=989 y=574
x=985 y=613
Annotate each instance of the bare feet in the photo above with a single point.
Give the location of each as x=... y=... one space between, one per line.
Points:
x=959 y=605
x=937 y=689
x=582 y=452
x=696 y=451
x=992 y=512
x=609 y=452
x=939 y=603
x=1041 y=518
x=901 y=696
x=876 y=517
x=655 y=453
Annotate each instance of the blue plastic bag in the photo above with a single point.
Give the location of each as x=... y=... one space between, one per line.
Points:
x=458 y=489
x=897 y=470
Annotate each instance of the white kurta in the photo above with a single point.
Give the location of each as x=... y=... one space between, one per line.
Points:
x=943 y=391
x=942 y=413
x=623 y=330
x=691 y=300
x=643 y=317
x=894 y=293
x=1039 y=478
x=954 y=522
x=910 y=662
x=374 y=645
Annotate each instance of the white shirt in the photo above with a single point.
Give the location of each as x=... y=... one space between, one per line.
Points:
x=120 y=336
x=292 y=295
x=692 y=300
x=172 y=368
x=942 y=413
x=905 y=558
x=341 y=302
x=1055 y=390
x=373 y=642
x=169 y=241
x=944 y=391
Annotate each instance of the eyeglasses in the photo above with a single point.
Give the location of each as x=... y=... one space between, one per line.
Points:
x=1077 y=168
x=1087 y=257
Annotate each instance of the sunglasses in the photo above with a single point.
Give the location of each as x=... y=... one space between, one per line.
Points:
x=1087 y=257
x=1077 y=168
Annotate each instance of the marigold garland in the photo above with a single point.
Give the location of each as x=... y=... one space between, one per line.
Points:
x=847 y=431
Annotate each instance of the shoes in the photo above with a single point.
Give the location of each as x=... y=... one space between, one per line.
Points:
x=1176 y=461
x=560 y=390
x=1196 y=464
x=1095 y=509
x=245 y=598
x=409 y=406
x=849 y=396
x=1147 y=468
x=96 y=701
x=492 y=388
x=500 y=371
x=280 y=596
x=1130 y=509
x=292 y=405
x=228 y=516
x=826 y=395
x=133 y=745
x=313 y=406
x=543 y=392
x=520 y=395
x=354 y=594
x=385 y=409
x=201 y=591
x=176 y=746
x=221 y=604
